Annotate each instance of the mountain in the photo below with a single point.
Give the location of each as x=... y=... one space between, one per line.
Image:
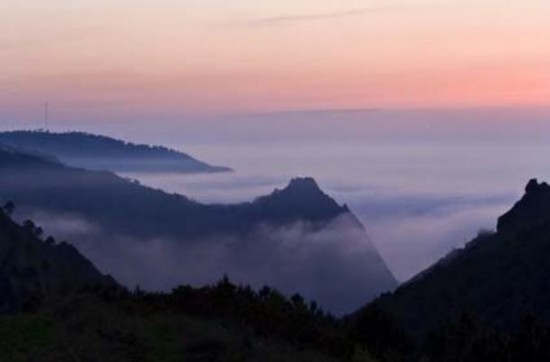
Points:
x=499 y=277
x=104 y=153
x=56 y=306
x=128 y=208
x=295 y=239
x=32 y=269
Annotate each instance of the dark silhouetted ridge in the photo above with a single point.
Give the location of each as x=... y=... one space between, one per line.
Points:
x=301 y=199
x=104 y=153
x=11 y=157
x=533 y=209
x=303 y=184
x=32 y=268
x=500 y=277
x=116 y=203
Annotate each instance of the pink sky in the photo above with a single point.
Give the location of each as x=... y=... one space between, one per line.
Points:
x=214 y=56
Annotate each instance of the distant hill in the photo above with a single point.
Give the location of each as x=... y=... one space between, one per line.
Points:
x=499 y=277
x=128 y=208
x=104 y=153
x=296 y=238
x=32 y=268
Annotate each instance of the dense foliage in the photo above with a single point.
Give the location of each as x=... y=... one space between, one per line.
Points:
x=132 y=327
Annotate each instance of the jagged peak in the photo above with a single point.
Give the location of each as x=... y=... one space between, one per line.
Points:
x=303 y=199
x=534 y=186
x=308 y=186
x=533 y=209
x=303 y=184
x=302 y=189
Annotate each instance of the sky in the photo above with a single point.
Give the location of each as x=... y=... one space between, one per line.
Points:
x=113 y=60
x=426 y=116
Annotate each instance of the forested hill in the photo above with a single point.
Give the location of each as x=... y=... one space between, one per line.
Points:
x=34 y=267
x=105 y=153
x=499 y=277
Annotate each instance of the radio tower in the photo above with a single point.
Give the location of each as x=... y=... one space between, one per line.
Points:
x=46 y=114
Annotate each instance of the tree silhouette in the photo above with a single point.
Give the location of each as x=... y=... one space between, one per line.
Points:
x=9 y=207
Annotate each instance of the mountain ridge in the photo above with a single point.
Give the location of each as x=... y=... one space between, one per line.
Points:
x=49 y=185
x=500 y=277
x=97 y=152
x=290 y=237
x=32 y=268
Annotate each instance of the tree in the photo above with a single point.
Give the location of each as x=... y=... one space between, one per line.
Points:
x=378 y=332
x=29 y=225
x=298 y=302
x=9 y=207
x=38 y=232
x=50 y=240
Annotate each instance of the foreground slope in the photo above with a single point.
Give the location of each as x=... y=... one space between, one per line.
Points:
x=104 y=153
x=296 y=238
x=134 y=327
x=498 y=277
x=32 y=269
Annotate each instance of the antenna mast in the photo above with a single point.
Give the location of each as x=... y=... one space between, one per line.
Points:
x=46 y=114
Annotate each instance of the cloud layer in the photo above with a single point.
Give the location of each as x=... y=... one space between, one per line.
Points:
x=336 y=266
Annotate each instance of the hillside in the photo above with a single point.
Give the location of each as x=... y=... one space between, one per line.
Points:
x=500 y=278
x=104 y=153
x=295 y=239
x=33 y=269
